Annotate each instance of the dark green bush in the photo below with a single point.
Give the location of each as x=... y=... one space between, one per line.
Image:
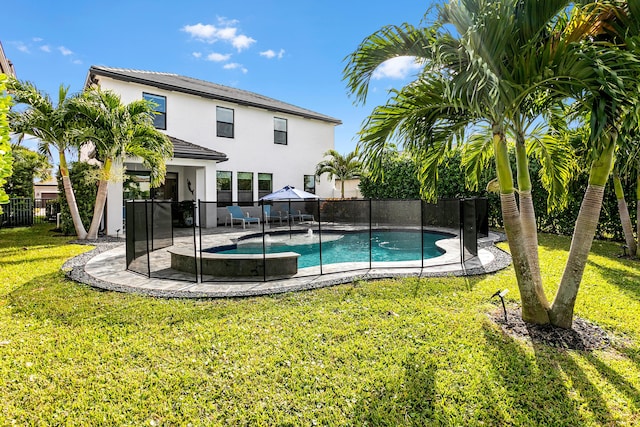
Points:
x=401 y=182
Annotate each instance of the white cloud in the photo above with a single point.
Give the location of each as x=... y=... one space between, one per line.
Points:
x=45 y=48
x=218 y=57
x=235 y=66
x=270 y=54
x=77 y=62
x=37 y=39
x=225 y=31
x=197 y=54
x=397 y=68
x=242 y=42
x=63 y=50
x=200 y=31
x=22 y=47
x=226 y=22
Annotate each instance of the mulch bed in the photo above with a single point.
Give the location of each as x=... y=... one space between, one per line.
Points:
x=584 y=336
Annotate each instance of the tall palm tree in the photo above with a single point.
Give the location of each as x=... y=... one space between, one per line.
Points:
x=475 y=74
x=5 y=145
x=118 y=130
x=341 y=167
x=55 y=126
x=610 y=95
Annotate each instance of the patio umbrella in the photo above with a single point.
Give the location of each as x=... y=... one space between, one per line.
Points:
x=289 y=193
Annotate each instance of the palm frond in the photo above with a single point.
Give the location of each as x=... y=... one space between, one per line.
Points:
x=387 y=43
x=477 y=153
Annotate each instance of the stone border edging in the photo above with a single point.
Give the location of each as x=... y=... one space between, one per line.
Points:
x=74 y=270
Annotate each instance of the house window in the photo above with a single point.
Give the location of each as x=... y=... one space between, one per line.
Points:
x=160 y=107
x=280 y=131
x=224 y=122
x=310 y=183
x=223 y=186
x=265 y=184
x=245 y=188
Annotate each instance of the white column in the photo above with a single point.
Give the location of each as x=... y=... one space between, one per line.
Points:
x=115 y=212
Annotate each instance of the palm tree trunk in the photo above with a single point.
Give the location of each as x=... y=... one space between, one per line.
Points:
x=625 y=218
x=561 y=313
x=101 y=199
x=342 y=188
x=533 y=309
x=81 y=233
x=528 y=219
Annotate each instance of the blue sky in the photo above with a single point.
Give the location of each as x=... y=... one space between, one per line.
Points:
x=291 y=50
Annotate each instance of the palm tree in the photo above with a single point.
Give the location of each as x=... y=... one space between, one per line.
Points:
x=55 y=127
x=116 y=131
x=5 y=145
x=610 y=96
x=341 y=167
x=475 y=74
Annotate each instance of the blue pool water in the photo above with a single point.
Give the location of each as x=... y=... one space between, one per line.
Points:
x=386 y=246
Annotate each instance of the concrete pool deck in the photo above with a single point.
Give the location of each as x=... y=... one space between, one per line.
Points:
x=105 y=268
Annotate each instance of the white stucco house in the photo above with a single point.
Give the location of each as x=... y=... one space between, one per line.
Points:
x=230 y=145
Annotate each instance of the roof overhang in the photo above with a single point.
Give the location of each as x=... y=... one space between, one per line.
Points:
x=186 y=150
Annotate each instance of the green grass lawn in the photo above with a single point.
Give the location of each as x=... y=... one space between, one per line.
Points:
x=390 y=352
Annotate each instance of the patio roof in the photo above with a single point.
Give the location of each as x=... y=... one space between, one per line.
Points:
x=178 y=83
x=186 y=150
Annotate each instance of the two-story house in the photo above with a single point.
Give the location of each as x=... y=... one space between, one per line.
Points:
x=230 y=145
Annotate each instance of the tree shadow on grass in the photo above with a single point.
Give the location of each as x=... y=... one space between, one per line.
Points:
x=541 y=386
x=626 y=280
x=409 y=400
x=625 y=386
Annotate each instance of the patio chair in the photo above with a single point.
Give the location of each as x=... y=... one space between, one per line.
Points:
x=297 y=214
x=268 y=215
x=236 y=214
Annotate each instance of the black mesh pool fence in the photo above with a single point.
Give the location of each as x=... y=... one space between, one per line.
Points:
x=321 y=236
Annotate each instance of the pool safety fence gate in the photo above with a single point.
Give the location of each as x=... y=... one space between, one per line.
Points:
x=24 y=212
x=198 y=230
x=151 y=225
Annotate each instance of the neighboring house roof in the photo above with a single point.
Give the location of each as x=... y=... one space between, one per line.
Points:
x=204 y=89
x=186 y=150
x=6 y=66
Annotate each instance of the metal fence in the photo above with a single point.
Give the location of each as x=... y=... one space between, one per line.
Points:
x=24 y=212
x=370 y=233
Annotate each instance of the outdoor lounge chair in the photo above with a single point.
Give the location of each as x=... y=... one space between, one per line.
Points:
x=297 y=214
x=236 y=214
x=268 y=215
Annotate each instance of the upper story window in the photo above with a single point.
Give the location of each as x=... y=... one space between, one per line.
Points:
x=224 y=122
x=280 y=131
x=160 y=118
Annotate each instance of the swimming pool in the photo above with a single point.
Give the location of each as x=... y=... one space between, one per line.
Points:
x=386 y=246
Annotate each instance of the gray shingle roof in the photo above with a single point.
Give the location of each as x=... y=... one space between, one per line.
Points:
x=186 y=150
x=205 y=89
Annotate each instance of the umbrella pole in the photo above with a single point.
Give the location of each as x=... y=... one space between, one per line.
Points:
x=289 y=217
